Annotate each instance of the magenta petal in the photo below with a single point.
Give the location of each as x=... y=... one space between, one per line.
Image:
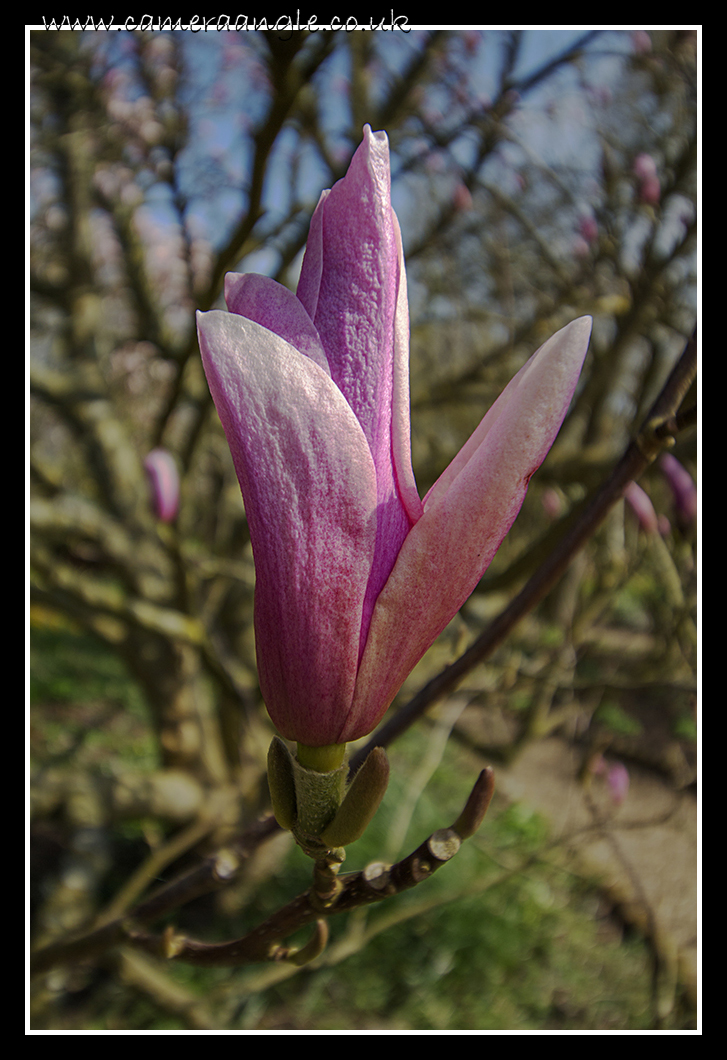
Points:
x=354 y=258
x=353 y=286
x=467 y=513
x=309 y=488
x=275 y=307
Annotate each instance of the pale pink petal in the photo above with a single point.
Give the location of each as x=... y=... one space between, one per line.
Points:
x=466 y=515
x=547 y=380
x=309 y=488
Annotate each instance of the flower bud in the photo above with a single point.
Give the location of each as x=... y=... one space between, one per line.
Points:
x=163 y=478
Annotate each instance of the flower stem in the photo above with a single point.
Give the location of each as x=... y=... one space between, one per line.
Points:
x=322 y=759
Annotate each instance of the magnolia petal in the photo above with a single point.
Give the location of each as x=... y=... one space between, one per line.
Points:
x=401 y=408
x=466 y=515
x=349 y=286
x=275 y=307
x=353 y=286
x=309 y=283
x=309 y=487
x=547 y=380
x=349 y=277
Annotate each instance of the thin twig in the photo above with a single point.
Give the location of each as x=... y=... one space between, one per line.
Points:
x=214 y=873
x=375 y=883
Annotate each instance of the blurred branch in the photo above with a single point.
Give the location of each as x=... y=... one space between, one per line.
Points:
x=82 y=398
x=569 y=55
x=288 y=77
x=112 y=601
x=215 y=872
x=397 y=106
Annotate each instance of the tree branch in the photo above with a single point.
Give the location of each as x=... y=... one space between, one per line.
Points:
x=373 y=884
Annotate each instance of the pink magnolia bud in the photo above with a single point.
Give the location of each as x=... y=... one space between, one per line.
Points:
x=641 y=42
x=641 y=504
x=163 y=477
x=650 y=191
x=588 y=228
x=462 y=197
x=644 y=166
x=646 y=173
x=682 y=486
x=664 y=525
x=616 y=775
x=618 y=781
x=356 y=576
x=552 y=503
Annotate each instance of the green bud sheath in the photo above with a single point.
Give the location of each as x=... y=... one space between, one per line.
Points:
x=281 y=783
x=307 y=793
x=318 y=792
x=361 y=801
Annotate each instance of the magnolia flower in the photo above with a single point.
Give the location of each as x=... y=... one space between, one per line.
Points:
x=356 y=576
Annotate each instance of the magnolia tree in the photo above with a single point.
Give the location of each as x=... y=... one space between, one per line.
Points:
x=274 y=628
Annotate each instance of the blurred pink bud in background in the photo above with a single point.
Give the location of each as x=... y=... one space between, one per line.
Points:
x=552 y=503
x=588 y=228
x=462 y=197
x=163 y=477
x=618 y=780
x=641 y=41
x=640 y=502
x=644 y=166
x=683 y=487
x=650 y=191
x=649 y=185
x=616 y=775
